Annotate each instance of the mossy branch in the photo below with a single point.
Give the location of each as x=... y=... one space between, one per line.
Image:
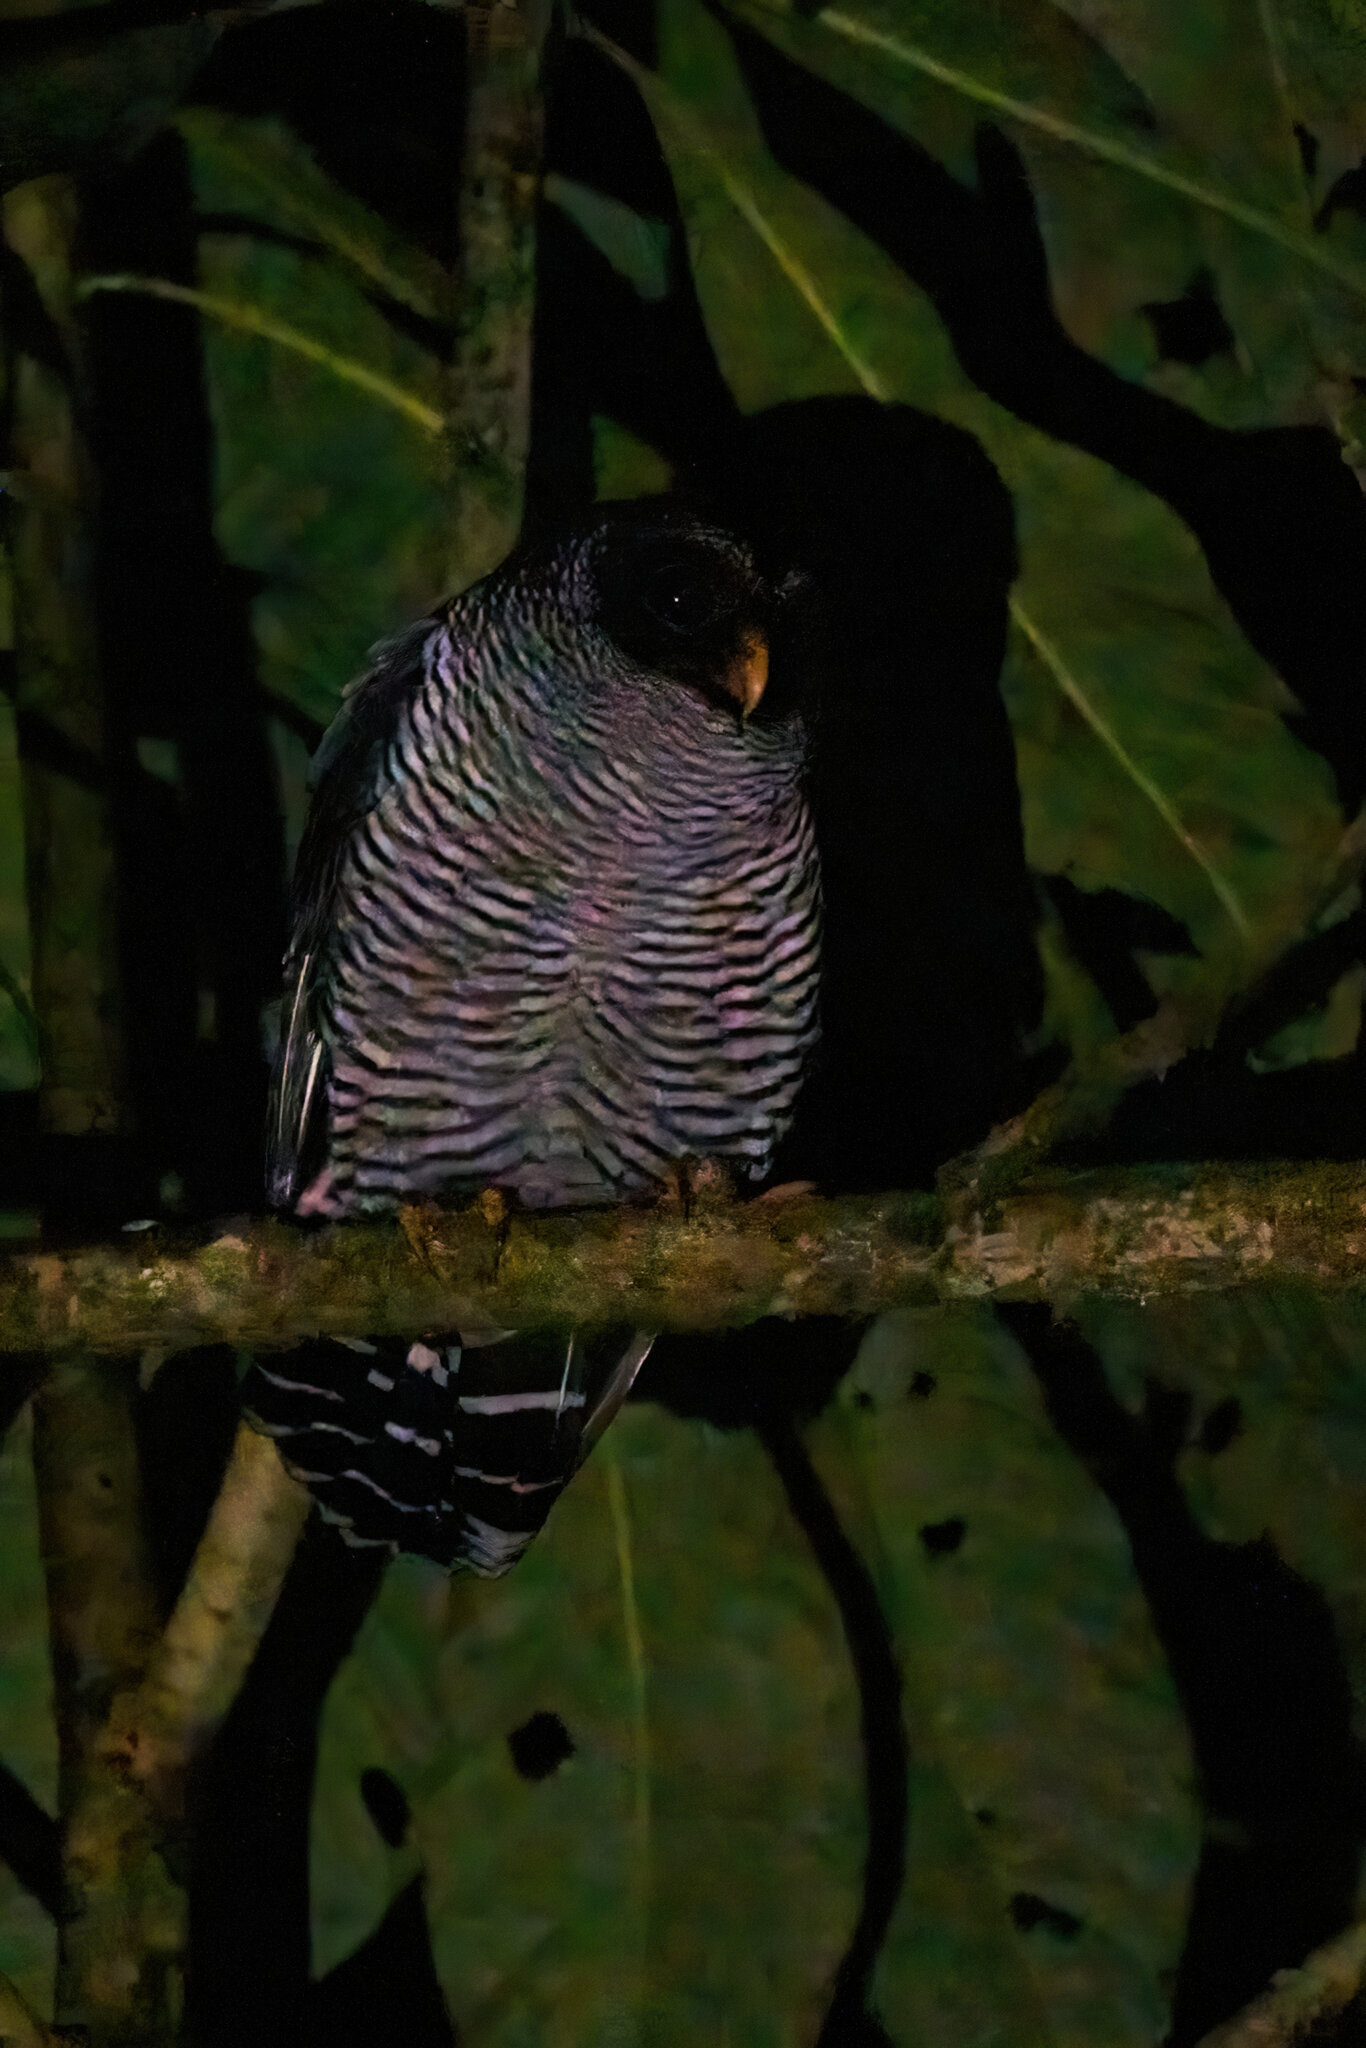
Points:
x=1134 y=1231
x=1300 y=2002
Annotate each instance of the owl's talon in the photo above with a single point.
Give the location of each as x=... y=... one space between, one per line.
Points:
x=494 y=1207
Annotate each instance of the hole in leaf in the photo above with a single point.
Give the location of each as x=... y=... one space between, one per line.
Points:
x=1029 y=1911
x=1190 y=329
x=1167 y=1415
x=387 y=1805
x=941 y=1539
x=1106 y=928
x=1349 y=190
x=540 y=1746
x=1220 y=1427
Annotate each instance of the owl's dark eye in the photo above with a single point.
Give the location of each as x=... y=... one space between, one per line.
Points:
x=684 y=596
x=681 y=603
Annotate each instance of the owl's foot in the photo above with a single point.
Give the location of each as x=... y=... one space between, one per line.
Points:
x=697 y=1185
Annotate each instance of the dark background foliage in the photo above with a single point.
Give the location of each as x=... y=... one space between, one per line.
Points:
x=997 y=1578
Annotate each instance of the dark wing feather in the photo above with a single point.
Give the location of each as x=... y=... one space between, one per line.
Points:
x=347 y=778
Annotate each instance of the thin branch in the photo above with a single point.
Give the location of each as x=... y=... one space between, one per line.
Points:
x=1131 y=1231
x=20 y=2026
x=1081 y=1101
x=159 y=1730
x=1301 y=2000
x=145 y=1721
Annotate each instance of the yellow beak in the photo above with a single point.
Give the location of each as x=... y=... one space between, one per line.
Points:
x=747 y=677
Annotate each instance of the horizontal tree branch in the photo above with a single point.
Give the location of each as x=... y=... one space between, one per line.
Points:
x=1300 y=2002
x=1053 y=1236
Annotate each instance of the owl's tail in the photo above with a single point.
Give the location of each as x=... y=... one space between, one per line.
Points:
x=446 y=1448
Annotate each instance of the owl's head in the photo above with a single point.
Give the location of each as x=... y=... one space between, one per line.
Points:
x=682 y=599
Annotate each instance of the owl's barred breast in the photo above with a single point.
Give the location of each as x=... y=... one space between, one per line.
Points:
x=556 y=929
x=585 y=953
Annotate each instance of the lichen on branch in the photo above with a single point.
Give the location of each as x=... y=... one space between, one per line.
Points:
x=1054 y=1236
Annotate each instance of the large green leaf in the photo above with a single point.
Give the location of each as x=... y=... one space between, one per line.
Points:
x=1153 y=752
x=692 y=1872
x=1290 y=1462
x=695 y=1864
x=75 y=96
x=1054 y=1826
x=1162 y=148
x=335 y=497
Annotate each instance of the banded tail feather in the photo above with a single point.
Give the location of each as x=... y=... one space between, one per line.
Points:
x=457 y=1452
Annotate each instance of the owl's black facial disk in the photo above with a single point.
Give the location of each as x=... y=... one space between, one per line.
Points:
x=688 y=602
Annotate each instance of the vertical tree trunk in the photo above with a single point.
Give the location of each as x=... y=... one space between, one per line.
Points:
x=123 y=1922
x=122 y=1916
x=59 y=701
x=491 y=381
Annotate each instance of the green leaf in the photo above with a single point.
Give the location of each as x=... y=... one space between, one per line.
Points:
x=1292 y=1465
x=695 y=1865
x=1153 y=751
x=254 y=320
x=263 y=164
x=623 y=465
x=1051 y=1759
x=1163 y=152
x=692 y=1872
x=315 y=475
x=70 y=101
x=637 y=249
x=1329 y=1032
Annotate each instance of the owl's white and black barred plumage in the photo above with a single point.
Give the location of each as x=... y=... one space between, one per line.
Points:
x=556 y=930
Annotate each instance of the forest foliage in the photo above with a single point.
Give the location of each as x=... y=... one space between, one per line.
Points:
x=1094 y=1854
